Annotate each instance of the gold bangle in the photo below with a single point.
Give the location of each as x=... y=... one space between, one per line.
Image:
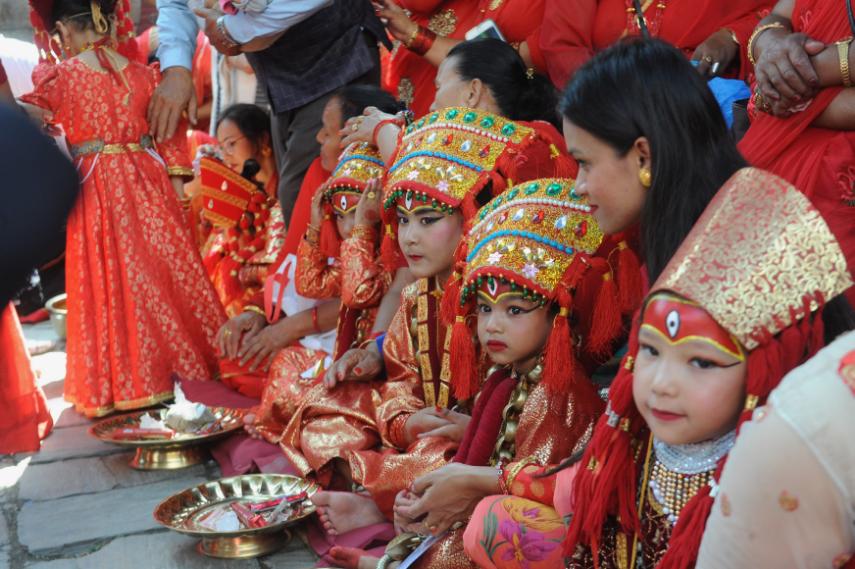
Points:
x=254 y=308
x=843 y=56
x=412 y=37
x=514 y=470
x=757 y=31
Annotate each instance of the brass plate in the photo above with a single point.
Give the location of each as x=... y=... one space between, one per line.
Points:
x=181 y=512
x=174 y=453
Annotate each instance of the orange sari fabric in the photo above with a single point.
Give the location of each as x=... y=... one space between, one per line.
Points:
x=577 y=29
x=819 y=162
x=410 y=77
x=140 y=306
x=25 y=419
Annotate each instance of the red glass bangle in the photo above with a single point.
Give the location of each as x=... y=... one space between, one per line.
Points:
x=397 y=121
x=315 y=325
x=422 y=42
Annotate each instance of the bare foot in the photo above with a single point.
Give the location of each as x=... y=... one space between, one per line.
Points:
x=249 y=425
x=353 y=558
x=341 y=512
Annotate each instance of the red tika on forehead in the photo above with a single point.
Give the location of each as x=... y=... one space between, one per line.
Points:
x=343 y=202
x=678 y=321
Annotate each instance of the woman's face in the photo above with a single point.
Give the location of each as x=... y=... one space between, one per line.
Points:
x=512 y=330
x=689 y=380
x=609 y=181
x=328 y=137
x=236 y=147
x=428 y=239
x=451 y=89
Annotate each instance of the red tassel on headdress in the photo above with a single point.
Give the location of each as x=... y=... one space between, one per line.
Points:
x=683 y=551
x=465 y=378
x=329 y=241
x=563 y=166
x=559 y=363
x=607 y=322
x=629 y=283
x=450 y=303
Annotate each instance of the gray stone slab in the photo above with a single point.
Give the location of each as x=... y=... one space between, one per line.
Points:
x=296 y=555
x=164 y=550
x=72 y=442
x=50 y=524
x=4 y=532
x=118 y=465
x=70 y=418
x=5 y=563
x=65 y=478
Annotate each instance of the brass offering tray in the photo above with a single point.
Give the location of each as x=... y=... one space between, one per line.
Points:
x=179 y=451
x=184 y=511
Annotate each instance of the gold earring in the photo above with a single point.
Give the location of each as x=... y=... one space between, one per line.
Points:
x=645 y=177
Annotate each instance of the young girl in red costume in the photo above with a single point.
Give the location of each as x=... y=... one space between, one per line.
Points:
x=723 y=324
x=140 y=307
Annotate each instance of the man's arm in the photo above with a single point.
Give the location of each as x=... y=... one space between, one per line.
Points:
x=277 y=18
x=176 y=29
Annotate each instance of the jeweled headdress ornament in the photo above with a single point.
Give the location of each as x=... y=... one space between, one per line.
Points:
x=539 y=239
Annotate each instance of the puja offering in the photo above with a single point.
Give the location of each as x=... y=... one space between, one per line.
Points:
x=170 y=438
x=239 y=517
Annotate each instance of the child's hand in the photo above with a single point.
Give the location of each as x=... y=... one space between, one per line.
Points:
x=453 y=430
x=317 y=206
x=368 y=208
x=354 y=365
x=406 y=500
x=424 y=421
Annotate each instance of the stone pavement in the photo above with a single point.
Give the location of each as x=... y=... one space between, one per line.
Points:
x=77 y=504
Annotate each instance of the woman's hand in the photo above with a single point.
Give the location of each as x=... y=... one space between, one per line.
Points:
x=361 y=128
x=354 y=365
x=246 y=324
x=452 y=430
x=263 y=346
x=448 y=495
x=784 y=70
x=395 y=19
x=368 y=208
x=425 y=420
x=716 y=53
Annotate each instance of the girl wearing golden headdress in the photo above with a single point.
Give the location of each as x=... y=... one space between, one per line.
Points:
x=140 y=307
x=737 y=307
x=538 y=287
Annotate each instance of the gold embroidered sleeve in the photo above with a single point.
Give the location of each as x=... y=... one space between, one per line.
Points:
x=315 y=277
x=364 y=280
x=401 y=393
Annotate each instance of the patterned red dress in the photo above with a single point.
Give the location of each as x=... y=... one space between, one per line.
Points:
x=140 y=306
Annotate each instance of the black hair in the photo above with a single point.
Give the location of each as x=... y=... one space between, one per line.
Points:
x=520 y=93
x=838 y=317
x=354 y=98
x=79 y=12
x=647 y=88
x=252 y=121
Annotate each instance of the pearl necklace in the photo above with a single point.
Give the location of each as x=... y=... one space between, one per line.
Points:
x=681 y=471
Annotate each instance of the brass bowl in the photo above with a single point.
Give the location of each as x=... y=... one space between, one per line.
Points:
x=181 y=511
x=57 y=307
x=181 y=451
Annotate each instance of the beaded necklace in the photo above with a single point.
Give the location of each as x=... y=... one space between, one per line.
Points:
x=681 y=471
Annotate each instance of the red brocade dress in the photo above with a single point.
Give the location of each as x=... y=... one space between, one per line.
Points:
x=140 y=306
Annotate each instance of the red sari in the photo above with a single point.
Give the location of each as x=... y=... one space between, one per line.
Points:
x=577 y=29
x=818 y=161
x=140 y=306
x=410 y=77
x=25 y=419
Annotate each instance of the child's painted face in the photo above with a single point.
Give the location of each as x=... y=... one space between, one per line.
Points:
x=344 y=206
x=690 y=373
x=328 y=137
x=512 y=330
x=428 y=238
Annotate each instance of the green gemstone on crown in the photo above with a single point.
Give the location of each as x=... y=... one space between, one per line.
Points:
x=509 y=129
x=469 y=117
x=531 y=188
x=488 y=122
x=452 y=114
x=553 y=189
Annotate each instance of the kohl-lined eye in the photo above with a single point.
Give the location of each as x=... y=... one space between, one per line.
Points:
x=648 y=349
